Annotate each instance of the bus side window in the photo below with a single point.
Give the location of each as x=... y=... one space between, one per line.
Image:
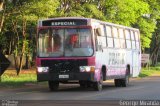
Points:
x=137 y=39
x=103 y=36
x=133 y=40
x=122 y=38
x=116 y=39
x=128 y=39
x=109 y=36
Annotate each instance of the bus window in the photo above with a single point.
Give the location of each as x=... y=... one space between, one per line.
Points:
x=109 y=36
x=115 y=36
x=133 y=40
x=137 y=40
x=85 y=38
x=104 y=41
x=137 y=45
x=133 y=45
x=74 y=40
x=121 y=33
x=109 y=32
x=128 y=39
x=122 y=43
x=128 y=43
x=122 y=39
x=78 y=42
x=136 y=36
x=116 y=43
x=57 y=39
x=102 y=30
x=115 y=32
x=132 y=36
x=71 y=39
x=110 y=41
x=127 y=33
x=43 y=41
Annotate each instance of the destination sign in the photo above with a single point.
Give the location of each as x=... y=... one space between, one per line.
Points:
x=64 y=22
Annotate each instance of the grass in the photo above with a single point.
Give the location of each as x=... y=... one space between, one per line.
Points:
x=152 y=71
x=11 y=79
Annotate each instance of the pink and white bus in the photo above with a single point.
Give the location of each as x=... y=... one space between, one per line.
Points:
x=87 y=51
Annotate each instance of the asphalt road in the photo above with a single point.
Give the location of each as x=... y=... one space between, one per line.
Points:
x=139 y=89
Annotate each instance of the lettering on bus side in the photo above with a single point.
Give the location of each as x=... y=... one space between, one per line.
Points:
x=116 y=59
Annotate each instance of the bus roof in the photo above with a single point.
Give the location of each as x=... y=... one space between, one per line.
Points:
x=89 y=21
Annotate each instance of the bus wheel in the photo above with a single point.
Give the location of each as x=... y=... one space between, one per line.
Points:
x=53 y=85
x=117 y=82
x=125 y=81
x=82 y=84
x=98 y=84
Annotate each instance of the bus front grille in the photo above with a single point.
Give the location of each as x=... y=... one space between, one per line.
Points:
x=64 y=66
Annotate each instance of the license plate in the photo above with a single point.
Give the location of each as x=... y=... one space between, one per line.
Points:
x=63 y=76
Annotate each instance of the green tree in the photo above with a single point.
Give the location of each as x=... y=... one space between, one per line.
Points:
x=80 y=8
x=155 y=43
x=20 y=16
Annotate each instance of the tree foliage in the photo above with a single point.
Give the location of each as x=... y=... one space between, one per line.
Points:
x=19 y=17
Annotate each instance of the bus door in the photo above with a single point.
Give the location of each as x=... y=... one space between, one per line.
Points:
x=135 y=55
x=99 y=52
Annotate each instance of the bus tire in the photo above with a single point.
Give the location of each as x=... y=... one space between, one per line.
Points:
x=82 y=84
x=104 y=73
x=117 y=82
x=53 y=85
x=125 y=81
x=98 y=84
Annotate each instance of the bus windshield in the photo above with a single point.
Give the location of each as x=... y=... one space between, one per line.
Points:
x=65 y=42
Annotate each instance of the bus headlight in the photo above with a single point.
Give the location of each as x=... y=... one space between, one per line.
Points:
x=42 y=69
x=87 y=68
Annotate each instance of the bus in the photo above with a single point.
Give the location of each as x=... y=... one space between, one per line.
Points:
x=86 y=51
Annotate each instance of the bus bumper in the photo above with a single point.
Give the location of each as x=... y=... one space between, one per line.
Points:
x=65 y=77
